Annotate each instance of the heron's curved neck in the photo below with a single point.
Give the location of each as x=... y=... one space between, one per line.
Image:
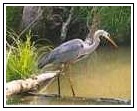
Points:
x=95 y=42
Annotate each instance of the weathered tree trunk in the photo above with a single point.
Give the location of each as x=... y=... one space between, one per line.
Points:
x=65 y=25
x=19 y=86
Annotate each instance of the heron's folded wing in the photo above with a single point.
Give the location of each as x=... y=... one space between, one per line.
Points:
x=66 y=52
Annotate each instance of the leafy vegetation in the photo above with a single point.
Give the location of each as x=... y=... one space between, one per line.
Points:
x=114 y=19
x=118 y=22
x=21 y=58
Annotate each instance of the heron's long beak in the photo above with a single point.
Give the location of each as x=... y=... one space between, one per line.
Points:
x=112 y=42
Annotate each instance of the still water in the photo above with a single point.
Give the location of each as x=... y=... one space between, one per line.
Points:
x=104 y=74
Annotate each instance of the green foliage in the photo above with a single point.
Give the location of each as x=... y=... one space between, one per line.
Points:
x=21 y=58
x=114 y=19
x=117 y=20
x=82 y=12
x=13 y=16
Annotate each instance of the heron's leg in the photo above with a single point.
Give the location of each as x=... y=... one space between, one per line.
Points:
x=70 y=82
x=58 y=79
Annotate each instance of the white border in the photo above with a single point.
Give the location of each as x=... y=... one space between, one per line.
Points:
x=71 y=5
x=93 y=4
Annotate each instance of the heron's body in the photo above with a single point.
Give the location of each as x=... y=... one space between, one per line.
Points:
x=72 y=50
x=64 y=53
x=68 y=52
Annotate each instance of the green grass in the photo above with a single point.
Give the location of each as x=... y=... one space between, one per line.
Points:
x=21 y=59
x=22 y=56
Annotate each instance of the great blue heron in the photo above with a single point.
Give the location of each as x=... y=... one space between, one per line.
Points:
x=73 y=50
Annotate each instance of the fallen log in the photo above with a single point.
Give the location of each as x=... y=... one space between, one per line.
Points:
x=19 y=86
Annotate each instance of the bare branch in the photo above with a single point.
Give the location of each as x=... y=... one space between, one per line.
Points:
x=65 y=25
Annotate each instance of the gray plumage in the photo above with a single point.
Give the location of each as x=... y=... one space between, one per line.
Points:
x=66 y=52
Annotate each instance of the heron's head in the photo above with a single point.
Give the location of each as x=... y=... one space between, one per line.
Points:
x=106 y=35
